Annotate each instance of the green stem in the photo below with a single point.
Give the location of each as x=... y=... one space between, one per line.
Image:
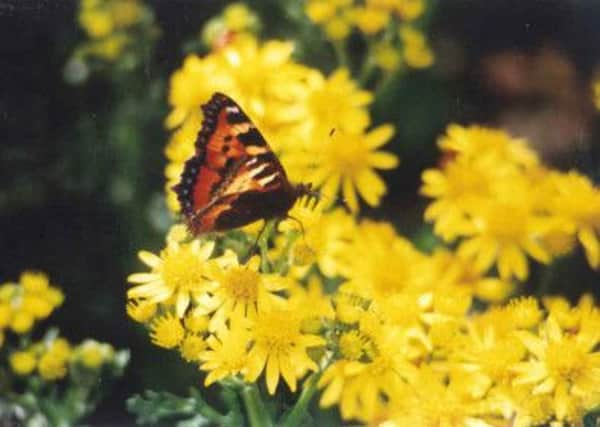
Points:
x=263 y=245
x=339 y=47
x=295 y=417
x=205 y=409
x=255 y=408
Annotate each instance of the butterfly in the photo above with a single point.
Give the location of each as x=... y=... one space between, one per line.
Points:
x=234 y=178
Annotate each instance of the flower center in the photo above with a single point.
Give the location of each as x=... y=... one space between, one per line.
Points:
x=277 y=331
x=566 y=360
x=353 y=345
x=242 y=284
x=182 y=270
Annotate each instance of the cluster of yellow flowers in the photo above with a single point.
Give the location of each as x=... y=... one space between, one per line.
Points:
x=53 y=356
x=494 y=195
x=22 y=304
x=387 y=24
x=109 y=25
x=31 y=380
x=295 y=107
x=396 y=341
x=389 y=334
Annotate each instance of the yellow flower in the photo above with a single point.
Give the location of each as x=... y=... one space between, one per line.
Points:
x=34 y=282
x=416 y=52
x=359 y=388
x=322 y=237
x=238 y=17
x=504 y=231
x=348 y=161
x=475 y=142
x=22 y=322
x=374 y=277
x=53 y=363
x=93 y=354
x=450 y=271
x=349 y=111
x=387 y=56
x=22 y=362
x=167 y=331
x=97 y=23
x=141 y=311
x=577 y=201
x=227 y=354
x=241 y=291
x=6 y=315
x=338 y=28
x=178 y=273
x=370 y=20
x=280 y=349
x=191 y=347
x=561 y=364
x=312 y=305
x=409 y=9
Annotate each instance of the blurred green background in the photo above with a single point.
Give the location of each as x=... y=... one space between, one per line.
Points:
x=81 y=166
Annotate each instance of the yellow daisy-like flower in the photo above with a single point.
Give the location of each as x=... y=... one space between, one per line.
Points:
x=322 y=235
x=347 y=114
x=166 y=331
x=93 y=354
x=141 y=311
x=227 y=353
x=22 y=362
x=280 y=349
x=374 y=277
x=475 y=142
x=348 y=161
x=53 y=364
x=577 y=201
x=191 y=347
x=241 y=291
x=417 y=53
x=561 y=364
x=179 y=273
x=504 y=231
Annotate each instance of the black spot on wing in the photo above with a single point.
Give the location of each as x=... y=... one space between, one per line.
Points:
x=252 y=137
x=236 y=118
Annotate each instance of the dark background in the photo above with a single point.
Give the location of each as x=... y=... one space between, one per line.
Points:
x=81 y=167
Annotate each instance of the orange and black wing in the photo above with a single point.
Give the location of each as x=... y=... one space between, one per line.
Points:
x=234 y=178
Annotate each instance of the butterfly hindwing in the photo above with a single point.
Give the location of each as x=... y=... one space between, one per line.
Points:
x=234 y=178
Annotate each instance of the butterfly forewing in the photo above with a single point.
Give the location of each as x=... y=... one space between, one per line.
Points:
x=234 y=178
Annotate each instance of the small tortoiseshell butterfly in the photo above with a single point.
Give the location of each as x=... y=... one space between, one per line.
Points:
x=234 y=178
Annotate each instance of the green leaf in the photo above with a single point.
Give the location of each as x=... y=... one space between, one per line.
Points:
x=153 y=407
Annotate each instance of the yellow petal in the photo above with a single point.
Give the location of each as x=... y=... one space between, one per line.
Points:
x=590 y=243
x=149 y=259
x=379 y=136
x=370 y=186
x=332 y=393
x=142 y=277
x=350 y=194
x=382 y=160
x=272 y=374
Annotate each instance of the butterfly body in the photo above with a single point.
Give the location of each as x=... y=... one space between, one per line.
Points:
x=234 y=178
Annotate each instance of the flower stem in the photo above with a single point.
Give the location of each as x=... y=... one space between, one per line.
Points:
x=295 y=417
x=255 y=408
x=339 y=47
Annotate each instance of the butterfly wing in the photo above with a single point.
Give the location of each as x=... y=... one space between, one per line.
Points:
x=234 y=178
